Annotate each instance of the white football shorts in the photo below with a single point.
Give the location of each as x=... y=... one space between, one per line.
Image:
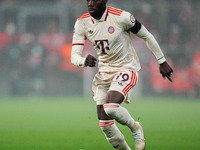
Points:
x=122 y=82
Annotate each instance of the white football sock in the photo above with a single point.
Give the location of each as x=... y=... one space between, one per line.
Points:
x=113 y=135
x=119 y=113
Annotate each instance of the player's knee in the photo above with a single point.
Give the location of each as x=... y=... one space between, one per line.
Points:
x=110 y=109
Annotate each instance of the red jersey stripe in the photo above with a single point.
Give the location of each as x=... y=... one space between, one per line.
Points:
x=106 y=124
x=131 y=84
x=110 y=106
x=106 y=16
x=114 y=9
x=117 y=14
x=86 y=15
x=92 y=21
x=77 y=44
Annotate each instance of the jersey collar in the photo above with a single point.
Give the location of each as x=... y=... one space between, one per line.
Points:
x=103 y=18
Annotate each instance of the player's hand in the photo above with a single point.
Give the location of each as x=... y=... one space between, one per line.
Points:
x=166 y=70
x=90 y=61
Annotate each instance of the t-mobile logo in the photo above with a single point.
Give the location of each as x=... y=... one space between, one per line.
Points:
x=102 y=45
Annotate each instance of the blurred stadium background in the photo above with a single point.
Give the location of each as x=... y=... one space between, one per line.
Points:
x=35 y=46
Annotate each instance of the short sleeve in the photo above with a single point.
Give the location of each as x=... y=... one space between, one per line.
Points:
x=127 y=21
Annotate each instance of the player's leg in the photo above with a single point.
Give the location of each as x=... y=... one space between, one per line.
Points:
x=121 y=84
x=120 y=114
x=118 y=91
x=114 y=110
x=110 y=130
x=107 y=124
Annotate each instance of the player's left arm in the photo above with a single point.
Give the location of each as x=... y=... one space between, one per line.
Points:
x=152 y=44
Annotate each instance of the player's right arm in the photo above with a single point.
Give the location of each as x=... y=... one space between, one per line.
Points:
x=78 y=45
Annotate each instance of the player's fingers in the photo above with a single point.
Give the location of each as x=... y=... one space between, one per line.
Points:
x=92 y=63
x=168 y=77
x=94 y=59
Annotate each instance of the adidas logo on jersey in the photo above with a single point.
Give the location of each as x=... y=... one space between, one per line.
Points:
x=90 y=31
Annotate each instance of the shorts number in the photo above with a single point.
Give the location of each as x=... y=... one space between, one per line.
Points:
x=124 y=76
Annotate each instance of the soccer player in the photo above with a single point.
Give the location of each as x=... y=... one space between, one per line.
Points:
x=108 y=29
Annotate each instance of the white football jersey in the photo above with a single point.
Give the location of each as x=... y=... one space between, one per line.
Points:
x=110 y=38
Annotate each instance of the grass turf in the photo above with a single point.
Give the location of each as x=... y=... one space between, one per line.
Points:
x=71 y=124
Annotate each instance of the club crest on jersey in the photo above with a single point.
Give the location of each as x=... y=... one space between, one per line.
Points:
x=132 y=19
x=111 y=29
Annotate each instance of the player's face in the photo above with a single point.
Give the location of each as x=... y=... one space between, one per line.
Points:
x=96 y=8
